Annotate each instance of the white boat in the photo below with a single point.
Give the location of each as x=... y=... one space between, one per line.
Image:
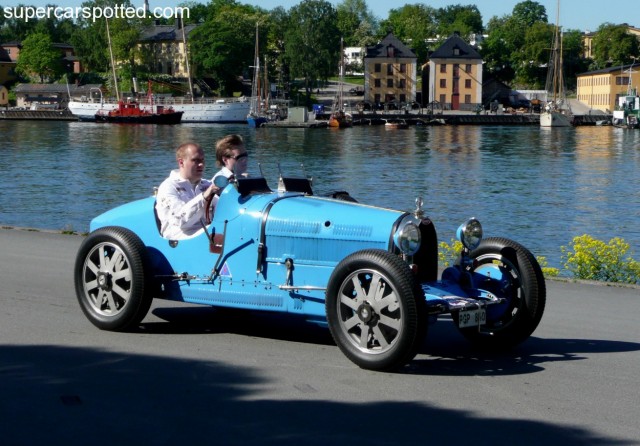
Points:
x=556 y=111
x=193 y=110
x=228 y=110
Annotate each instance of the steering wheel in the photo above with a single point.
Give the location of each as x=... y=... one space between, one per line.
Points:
x=208 y=209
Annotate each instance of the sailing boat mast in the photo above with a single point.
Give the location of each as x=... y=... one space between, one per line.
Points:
x=186 y=57
x=341 y=87
x=113 y=65
x=256 y=78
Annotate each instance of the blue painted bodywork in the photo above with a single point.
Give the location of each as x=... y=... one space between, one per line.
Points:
x=263 y=233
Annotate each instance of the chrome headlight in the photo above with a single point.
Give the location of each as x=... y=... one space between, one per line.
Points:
x=407 y=238
x=470 y=234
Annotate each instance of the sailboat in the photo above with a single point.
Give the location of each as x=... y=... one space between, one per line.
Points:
x=256 y=117
x=556 y=111
x=339 y=118
x=130 y=112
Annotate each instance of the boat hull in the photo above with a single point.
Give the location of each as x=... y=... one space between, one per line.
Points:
x=256 y=121
x=156 y=118
x=554 y=119
x=220 y=111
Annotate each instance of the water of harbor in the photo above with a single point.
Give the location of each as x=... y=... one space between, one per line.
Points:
x=541 y=187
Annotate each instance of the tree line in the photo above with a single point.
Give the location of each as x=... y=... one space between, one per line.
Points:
x=303 y=42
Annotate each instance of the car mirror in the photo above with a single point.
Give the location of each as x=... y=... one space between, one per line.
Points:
x=221 y=181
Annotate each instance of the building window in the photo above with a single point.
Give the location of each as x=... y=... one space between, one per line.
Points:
x=443 y=68
x=376 y=98
x=403 y=67
x=376 y=83
x=467 y=83
x=468 y=68
x=390 y=69
x=443 y=83
x=389 y=83
x=622 y=80
x=467 y=99
x=377 y=68
x=443 y=99
x=402 y=83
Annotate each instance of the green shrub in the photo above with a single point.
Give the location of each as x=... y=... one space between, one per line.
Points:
x=591 y=259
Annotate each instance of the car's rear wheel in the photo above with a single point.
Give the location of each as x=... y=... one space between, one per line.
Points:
x=512 y=274
x=373 y=314
x=110 y=279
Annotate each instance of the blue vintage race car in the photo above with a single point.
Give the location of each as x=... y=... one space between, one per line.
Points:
x=370 y=274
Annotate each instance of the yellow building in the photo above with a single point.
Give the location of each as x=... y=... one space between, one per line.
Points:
x=601 y=89
x=390 y=72
x=162 y=49
x=587 y=40
x=455 y=75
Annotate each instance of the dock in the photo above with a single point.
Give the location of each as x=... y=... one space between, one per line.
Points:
x=38 y=115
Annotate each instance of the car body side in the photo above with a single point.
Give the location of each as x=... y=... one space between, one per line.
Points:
x=278 y=253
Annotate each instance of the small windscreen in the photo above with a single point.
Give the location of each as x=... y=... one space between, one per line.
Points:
x=248 y=186
x=302 y=185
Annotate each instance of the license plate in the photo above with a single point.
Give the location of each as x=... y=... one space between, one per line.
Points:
x=472 y=318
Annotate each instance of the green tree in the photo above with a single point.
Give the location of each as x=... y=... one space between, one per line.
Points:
x=531 y=61
x=498 y=46
x=356 y=23
x=90 y=39
x=312 y=42
x=466 y=20
x=39 y=57
x=529 y=12
x=197 y=12
x=614 y=45
x=223 y=46
x=504 y=51
x=277 y=64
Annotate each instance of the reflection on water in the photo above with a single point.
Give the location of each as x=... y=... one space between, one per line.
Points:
x=538 y=186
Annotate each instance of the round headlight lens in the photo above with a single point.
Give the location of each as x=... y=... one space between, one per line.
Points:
x=408 y=238
x=470 y=234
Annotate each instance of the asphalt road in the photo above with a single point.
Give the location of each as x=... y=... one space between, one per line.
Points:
x=194 y=376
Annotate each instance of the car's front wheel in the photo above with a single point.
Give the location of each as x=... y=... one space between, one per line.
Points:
x=513 y=274
x=373 y=314
x=110 y=279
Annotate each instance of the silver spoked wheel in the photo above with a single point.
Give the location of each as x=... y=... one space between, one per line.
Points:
x=369 y=312
x=107 y=279
x=372 y=312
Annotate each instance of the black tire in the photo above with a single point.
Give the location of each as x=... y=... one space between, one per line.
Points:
x=380 y=328
x=522 y=285
x=111 y=280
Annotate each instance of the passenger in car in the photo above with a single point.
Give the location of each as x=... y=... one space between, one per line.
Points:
x=231 y=157
x=181 y=198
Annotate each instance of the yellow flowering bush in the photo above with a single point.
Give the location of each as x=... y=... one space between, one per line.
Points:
x=448 y=253
x=591 y=259
x=586 y=258
x=546 y=269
